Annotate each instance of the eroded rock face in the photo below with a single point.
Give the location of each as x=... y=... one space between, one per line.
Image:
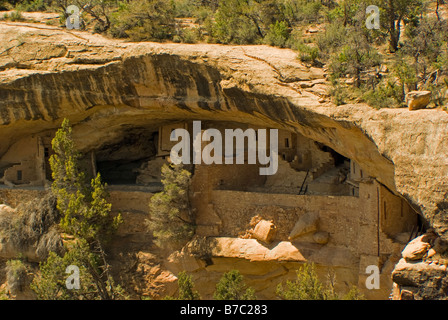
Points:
x=108 y=88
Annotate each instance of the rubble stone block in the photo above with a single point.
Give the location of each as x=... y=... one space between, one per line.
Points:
x=264 y=231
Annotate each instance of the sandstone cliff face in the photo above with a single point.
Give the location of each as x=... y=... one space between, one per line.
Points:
x=106 y=87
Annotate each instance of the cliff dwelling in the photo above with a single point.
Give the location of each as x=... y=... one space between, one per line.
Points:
x=356 y=221
x=354 y=184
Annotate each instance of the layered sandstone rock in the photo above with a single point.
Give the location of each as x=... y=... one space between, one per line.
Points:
x=109 y=87
x=263 y=267
x=106 y=86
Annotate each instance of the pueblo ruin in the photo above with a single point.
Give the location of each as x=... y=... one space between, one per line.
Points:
x=354 y=185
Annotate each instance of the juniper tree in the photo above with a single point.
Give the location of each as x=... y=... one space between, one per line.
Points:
x=426 y=44
x=94 y=282
x=85 y=211
x=99 y=10
x=355 y=57
x=394 y=13
x=144 y=20
x=85 y=215
x=235 y=22
x=170 y=216
x=231 y=287
x=186 y=287
x=307 y=286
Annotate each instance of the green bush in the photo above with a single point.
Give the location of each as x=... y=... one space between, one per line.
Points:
x=339 y=94
x=14 y=16
x=143 y=20
x=186 y=285
x=278 y=34
x=95 y=284
x=183 y=8
x=231 y=287
x=302 y=11
x=33 y=5
x=186 y=288
x=16 y=276
x=233 y=23
x=203 y=14
x=385 y=95
x=307 y=286
x=190 y=35
x=307 y=53
x=405 y=73
x=331 y=40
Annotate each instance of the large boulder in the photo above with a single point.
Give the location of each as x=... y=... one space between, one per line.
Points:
x=418 y=99
x=416 y=249
x=264 y=231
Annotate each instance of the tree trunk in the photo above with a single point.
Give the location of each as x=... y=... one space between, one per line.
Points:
x=394 y=34
x=437 y=10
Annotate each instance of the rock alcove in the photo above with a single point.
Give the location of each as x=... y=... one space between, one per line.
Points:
x=121 y=97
